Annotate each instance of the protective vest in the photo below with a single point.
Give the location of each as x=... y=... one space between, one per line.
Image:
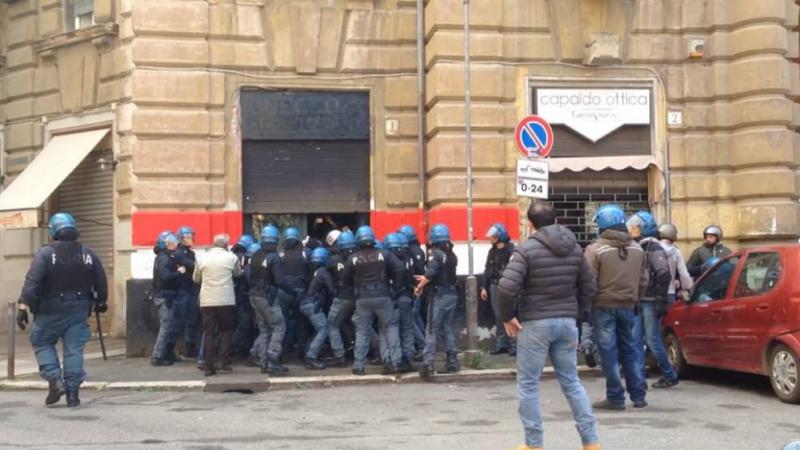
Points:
x=369 y=273
x=446 y=276
x=70 y=274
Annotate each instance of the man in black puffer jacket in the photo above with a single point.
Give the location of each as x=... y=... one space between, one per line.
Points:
x=551 y=284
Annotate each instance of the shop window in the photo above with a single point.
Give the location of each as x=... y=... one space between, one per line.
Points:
x=79 y=14
x=760 y=274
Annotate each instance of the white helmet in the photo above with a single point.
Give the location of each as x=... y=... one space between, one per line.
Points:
x=332 y=237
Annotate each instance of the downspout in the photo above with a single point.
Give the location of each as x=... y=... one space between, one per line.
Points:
x=421 y=100
x=667 y=185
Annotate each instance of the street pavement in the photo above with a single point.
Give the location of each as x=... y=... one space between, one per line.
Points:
x=717 y=410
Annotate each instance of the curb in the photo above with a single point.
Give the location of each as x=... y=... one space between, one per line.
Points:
x=266 y=384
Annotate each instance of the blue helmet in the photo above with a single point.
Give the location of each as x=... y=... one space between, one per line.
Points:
x=246 y=241
x=270 y=234
x=439 y=233
x=164 y=238
x=346 y=240
x=498 y=230
x=320 y=256
x=646 y=223
x=403 y=240
x=59 y=222
x=409 y=232
x=185 y=231
x=252 y=249
x=608 y=216
x=392 y=241
x=710 y=262
x=365 y=235
x=291 y=234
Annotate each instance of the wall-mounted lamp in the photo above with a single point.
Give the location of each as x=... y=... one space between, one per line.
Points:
x=105 y=164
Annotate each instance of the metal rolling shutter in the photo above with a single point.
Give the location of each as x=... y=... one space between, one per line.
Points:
x=88 y=194
x=292 y=176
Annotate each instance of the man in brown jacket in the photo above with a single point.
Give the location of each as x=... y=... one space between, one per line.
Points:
x=619 y=265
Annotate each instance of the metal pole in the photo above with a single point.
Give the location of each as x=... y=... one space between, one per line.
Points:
x=472 y=282
x=12 y=323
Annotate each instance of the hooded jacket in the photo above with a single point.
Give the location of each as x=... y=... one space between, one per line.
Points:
x=702 y=254
x=547 y=277
x=677 y=268
x=620 y=266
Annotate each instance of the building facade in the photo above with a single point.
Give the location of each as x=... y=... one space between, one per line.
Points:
x=150 y=114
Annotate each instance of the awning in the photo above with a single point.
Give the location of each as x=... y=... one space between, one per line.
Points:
x=44 y=174
x=640 y=162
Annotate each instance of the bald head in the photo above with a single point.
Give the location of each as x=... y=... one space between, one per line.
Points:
x=222 y=241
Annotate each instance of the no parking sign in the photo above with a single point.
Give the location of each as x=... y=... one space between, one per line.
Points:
x=534 y=139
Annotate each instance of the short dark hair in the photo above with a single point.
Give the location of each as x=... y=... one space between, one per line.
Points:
x=541 y=214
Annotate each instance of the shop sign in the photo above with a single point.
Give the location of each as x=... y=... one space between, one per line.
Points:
x=594 y=113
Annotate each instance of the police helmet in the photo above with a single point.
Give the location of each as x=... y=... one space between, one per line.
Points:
x=332 y=236
x=710 y=262
x=392 y=241
x=270 y=234
x=320 y=256
x=439 y=234
x=403 y=240
x=498 y=230
x=252 y=249
x=646 y=223
x=164 y=238
x=713 y=230
x=291 y=234
x=185 y=231
x=346 y=241
x=668 y=231
x=409 y=232
x=246 y=241
x=365 y=236
x=60 y=222
x=608 y=216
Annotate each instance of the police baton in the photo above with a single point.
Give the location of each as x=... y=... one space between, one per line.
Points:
x=100 y=335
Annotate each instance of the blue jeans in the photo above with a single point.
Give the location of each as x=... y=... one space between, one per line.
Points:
x=419 y=324
x=405 y=306
x=193 y=318
x=502 y=340
x=651 y=331
x=73 y=331
x=366 y=311
x=614 y=330
x=166 y=326
x=557 y=338
x=320 y=324
x=444 y=308
x=341 y=311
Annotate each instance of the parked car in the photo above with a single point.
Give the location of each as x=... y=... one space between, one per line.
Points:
x=744 y=315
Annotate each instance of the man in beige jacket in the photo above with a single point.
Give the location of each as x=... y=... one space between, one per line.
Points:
x=214 y=273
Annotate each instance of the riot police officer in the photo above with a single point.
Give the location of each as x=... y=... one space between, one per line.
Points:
x=187 y=307
x=295 y=259
x=417 y=255
x=496 y=261
x=320 y=292
x=243 y=333
x=397 y=243
x=65 y=282
x=345 y=301
x=368 y=271
x=166 y=273
x=712 y=248
x=265 y=277
x=440 y=272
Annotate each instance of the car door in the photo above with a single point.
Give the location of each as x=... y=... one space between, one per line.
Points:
x=747 y=318
x=704 y=338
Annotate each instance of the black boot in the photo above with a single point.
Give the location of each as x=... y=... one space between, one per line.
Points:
x=339 y=362
x=452 y=365
x=406 y=366
x=389 y=369
x=56 y=391
x=171 y=356
x=72 y=398
x=274 y=367
x=314 y=364
x=359 y=371
x=426 y=371
x=159 y=362
x=191 y=351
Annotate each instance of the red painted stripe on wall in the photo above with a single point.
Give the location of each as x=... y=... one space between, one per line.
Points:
x=146 y=225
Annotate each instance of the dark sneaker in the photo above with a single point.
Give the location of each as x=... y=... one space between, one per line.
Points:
x=72 y=399
x=158 y=362
x=512 y=353
x=359 y=371
x=640 y=404
x=590 y=359
x=252 y=361
x=210 y=371
x=499 y=351
x=608 y=405
x=426 y=371
x=274 y=367
x=314 y=364
x=339 y=362
x=663 y=383
x=406 y=367
x=54 y=394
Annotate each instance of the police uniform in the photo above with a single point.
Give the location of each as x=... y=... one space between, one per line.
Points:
x=417 y=256
x=342 y=307
x=295 y=260
x=264 y=276
x=368 y=271
x=165 y=291
x=243 y=333
x=65 y=280
x=440 y=269
x=496 y=262
x=405 y=303
x=187 y=307
x=320 y=291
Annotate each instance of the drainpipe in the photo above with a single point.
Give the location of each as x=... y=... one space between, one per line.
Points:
x=421 y=100
x=667 y=185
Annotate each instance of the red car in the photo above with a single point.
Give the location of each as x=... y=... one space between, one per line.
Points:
x=743 y=315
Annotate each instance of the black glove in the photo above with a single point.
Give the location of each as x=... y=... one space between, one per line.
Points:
x=22 y=319
x=100 y=307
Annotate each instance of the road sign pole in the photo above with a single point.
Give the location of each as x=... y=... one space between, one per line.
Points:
x=472 y=282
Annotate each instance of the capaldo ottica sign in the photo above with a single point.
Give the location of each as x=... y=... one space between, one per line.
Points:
x=594 y=113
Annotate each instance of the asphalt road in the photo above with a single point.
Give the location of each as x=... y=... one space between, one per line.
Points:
x=715 y=411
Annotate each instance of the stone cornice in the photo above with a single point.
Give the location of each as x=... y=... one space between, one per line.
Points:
x=100 y=34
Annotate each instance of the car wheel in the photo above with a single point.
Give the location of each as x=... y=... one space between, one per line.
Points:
x=784 y=368
x=675 y=354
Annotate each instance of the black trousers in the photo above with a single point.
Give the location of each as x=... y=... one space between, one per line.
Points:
x=223 y=319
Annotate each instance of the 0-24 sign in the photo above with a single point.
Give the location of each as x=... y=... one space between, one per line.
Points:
x=527 y=187
x=533 y=178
